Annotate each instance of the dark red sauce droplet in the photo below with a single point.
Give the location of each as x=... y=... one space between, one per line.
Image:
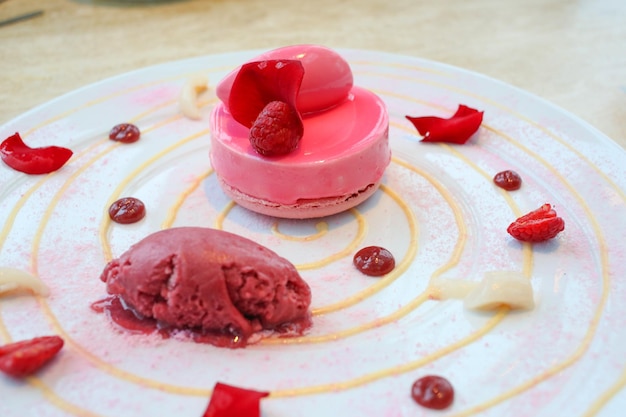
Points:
x=374 y=261
x=509 y=180
x=127 y=210
x=433 y=391
x=125 y=133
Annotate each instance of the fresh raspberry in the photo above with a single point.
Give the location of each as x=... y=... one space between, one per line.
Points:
x=277 y=130
x=537 y=226
x=21 y=359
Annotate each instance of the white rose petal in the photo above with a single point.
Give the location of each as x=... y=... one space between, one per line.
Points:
x=12 y=279
x=188 y=101
x=501 y=288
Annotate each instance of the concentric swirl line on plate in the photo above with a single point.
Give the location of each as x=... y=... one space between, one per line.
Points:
x=379 y=285
x=606 y=396
x=50 y=315
x=172 y=213
x=8 y=225
x=321 y=227
x=358 y=381
x=10 y=221
x=586 y=342
x=204 y=392
x=484 y=99
x=221 y=217
x=590 y=334
x=47 y=214
x=47 y=392
x=496 y=104
x=422 y=297
x=105 y=223
x=392 y=371
x=402 y=266
x=398 y=369
x=48 y=312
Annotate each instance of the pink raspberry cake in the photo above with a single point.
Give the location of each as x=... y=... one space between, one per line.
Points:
x=340 y=159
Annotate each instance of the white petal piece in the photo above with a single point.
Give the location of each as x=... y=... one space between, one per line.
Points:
x=12 y=279
x=188 y=101
x=501 y=288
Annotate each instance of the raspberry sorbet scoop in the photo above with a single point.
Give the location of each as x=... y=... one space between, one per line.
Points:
x=208 y=280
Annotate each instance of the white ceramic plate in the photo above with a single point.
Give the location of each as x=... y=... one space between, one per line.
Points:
x=438 y=212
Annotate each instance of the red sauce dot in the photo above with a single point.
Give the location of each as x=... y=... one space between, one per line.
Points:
x=374 y=261
x=125 y=133
x=127 y=210
x=433 y=391
x=509 y=180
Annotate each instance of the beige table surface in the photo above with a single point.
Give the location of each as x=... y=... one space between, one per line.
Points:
x=570 y=52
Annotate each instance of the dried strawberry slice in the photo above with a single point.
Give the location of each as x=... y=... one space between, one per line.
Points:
x=457 y=129
x=16 y=154
x=537 y=226
x=261 y=82
x=230 y=401
x=21 y=359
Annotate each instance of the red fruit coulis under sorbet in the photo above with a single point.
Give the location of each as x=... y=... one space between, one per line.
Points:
x=131 y=321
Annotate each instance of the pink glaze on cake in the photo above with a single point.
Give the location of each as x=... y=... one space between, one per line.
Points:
x=339 y=161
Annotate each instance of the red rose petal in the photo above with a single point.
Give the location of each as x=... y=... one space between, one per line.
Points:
x=261 y=82
x=457 y=129
x=16 y=154
x=230 y=401
x=21 y=359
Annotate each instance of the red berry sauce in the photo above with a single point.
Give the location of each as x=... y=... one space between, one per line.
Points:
x=128 y=319
x=374 y=261
x=125 y=133
x=509 y=180
x=127 y=210
x=433 y=391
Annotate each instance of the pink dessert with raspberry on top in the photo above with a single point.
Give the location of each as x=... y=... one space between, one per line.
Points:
x=334 y=162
